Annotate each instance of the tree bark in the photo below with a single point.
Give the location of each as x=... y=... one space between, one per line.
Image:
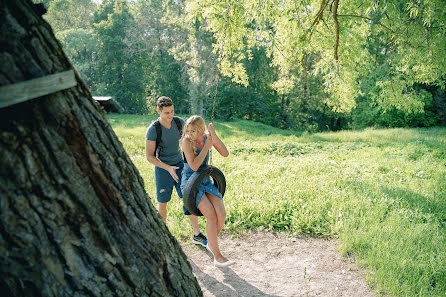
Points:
x=75 y=218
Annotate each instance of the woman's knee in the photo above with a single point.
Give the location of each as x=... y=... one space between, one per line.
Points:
x=207 y=209
x=211 y=216
x=221 y=215
x=219 y=207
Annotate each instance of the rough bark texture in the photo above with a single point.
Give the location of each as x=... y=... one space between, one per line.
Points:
x=74 y=217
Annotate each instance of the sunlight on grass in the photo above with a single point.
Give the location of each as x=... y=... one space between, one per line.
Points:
x=382 y=192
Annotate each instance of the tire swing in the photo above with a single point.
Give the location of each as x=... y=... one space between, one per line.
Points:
x=191 y=189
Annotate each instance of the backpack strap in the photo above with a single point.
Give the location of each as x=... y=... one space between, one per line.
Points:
x=179 y=124
x=180 y=128
x=159 y=133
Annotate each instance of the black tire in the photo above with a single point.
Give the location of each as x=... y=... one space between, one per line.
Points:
x=191 y=188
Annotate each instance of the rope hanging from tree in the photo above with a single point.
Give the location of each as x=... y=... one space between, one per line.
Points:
x=218 y=77
x=191 y=189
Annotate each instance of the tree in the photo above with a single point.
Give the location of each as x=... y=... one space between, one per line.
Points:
x=119 y=67
x=81 y=46
x=70 y=14
x=257 y=101
x=72 y=23
x=412 y=32
x=191 y=44
x=74 y=217
x=163 y=75
x=332 y=60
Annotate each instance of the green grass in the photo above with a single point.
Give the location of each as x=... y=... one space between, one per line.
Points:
x=381 y=192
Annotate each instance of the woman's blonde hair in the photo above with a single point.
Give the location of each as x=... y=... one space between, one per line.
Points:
x=198 y=123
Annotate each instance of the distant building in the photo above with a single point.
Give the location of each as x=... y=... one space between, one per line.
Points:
x=109 y=104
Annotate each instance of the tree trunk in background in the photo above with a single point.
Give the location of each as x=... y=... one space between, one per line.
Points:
x=75 y=219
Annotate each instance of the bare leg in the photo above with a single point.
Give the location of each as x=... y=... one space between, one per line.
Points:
x=194 y=221
x=162 y=209
x=207 y=209
x=220 y=211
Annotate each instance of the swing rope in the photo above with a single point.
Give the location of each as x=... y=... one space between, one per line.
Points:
x=218 y=77
x=190 y=190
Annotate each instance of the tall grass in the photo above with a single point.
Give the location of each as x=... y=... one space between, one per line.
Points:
x=382 y=192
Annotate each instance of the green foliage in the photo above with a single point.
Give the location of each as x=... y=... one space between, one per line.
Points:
x=257 y=101
x=46 y=3
x=81 y=46
x=239 y=102
x=72 y=24
x=278 y=58
x=163 y=75
x=70 y=14
x=409 y=37
x=382 y=192
x=194 y=50
x=119 y=66
x=372 y=110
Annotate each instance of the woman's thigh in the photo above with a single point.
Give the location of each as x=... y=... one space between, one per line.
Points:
x=217 y=203
x=206 y=207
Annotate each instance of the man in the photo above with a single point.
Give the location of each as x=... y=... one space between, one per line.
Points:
x=163 y=151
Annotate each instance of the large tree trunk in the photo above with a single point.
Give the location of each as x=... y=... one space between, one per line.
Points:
x=74 y=217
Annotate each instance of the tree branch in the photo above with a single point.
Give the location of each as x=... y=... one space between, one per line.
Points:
x=366 y=18
x=318 y=17
x=319 y=13
x=335 y=19
x=382 y=25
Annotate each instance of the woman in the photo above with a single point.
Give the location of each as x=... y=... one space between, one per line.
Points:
x=196 y=145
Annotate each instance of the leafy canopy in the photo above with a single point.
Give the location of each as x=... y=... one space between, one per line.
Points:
x=410 y=34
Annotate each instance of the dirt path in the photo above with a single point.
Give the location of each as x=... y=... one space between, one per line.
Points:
x=274 y=265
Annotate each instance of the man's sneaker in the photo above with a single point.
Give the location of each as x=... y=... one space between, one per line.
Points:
x=200 y=239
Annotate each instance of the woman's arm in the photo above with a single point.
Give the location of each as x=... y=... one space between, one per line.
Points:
x=218 y=143
x=195 y=161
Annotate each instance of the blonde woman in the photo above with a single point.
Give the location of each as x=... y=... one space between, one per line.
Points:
x=196 y=145
x=163 y=150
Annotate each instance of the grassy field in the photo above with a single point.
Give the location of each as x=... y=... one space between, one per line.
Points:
x=381 y=192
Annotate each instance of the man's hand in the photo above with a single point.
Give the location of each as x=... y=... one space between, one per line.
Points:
x=173 y=172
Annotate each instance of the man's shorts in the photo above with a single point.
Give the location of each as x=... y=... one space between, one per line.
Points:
x=165 y=183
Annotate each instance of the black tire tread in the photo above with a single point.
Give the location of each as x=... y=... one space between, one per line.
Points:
x=191 y=188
